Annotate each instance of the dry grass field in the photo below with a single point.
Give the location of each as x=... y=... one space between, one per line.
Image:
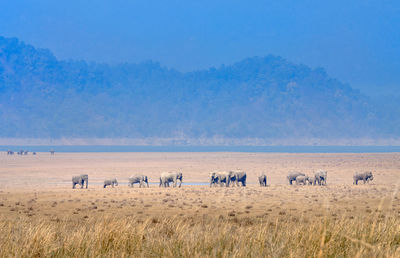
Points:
x=42 y=216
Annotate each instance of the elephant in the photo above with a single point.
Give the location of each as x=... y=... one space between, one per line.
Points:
x=80 y=180
x=10 y=152
x=111 y=182
x=167 y=177
x=138 y=179
x=303 y=180
x=312 y=180
x=222 y=177
x=364 y=176
x=262 y=179
x=320 y=177
x=213 y=179
x=293 y=175
x=238 y=176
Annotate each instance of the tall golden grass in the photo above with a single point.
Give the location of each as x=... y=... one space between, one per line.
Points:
x=185 y=236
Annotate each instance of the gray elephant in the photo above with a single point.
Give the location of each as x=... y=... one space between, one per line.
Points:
x=312 y=180
x=80 y=180
x=138 y=179
x=213 y=179
x=320 y=177
x=238 y=177
x=167 y=177
x=262 y=179
x=303 y=180
x=113 y=182
x=293 y=175
x=364 y=176
x=223 y=177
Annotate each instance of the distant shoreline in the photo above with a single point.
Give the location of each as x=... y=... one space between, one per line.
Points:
x=216 y=141
x=251 y=149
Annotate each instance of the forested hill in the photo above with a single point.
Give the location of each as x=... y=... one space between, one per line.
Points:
x=260 y=97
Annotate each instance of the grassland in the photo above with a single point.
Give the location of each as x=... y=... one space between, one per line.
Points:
x=41 y=216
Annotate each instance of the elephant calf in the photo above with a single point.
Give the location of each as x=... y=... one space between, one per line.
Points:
x=262 y=180
x=80 y=180
x=111 y=182
x=365 y=177
x=303 y=180
x=138 y=179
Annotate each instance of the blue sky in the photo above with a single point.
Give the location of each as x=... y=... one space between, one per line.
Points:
x=357 y=41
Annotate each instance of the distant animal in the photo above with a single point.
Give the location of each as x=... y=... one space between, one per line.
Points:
x=167 y=177
x=33 y=153
x=111 y=182
x=138 y=179
x=80 y=180
x=52 y=152
x=213 y=179
x=312 y=180
x=293 y=175
x=262 y=179
x=10 y=152
x=320 y=177
x=20 y=152
x=238 y=176
x=303 y=180
x=221 y=177
x=26 y=152
x=364 y=176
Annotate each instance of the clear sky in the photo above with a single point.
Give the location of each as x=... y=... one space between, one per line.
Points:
x=356 y=41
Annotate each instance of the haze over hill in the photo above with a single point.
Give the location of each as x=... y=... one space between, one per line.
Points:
x=265 y=98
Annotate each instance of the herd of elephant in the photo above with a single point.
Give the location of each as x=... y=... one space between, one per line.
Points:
x=25 y=152
x=224 y=178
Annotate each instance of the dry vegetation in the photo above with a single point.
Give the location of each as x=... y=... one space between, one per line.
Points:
x=280 y=220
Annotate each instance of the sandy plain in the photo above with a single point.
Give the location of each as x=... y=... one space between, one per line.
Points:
x=37 y=188
x=47 y=179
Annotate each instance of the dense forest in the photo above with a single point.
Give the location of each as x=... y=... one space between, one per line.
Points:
x=259 y=97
